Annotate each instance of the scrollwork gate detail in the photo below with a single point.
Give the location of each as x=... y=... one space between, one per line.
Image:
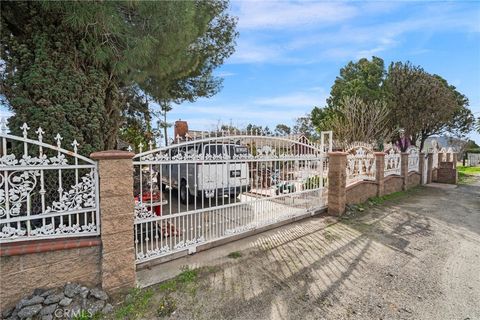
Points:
x=46 y=191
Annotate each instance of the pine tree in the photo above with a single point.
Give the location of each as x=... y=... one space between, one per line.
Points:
x=69 y=66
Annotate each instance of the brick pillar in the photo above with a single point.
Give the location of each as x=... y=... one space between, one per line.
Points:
x=429 y=168
x=337 y=183
x=421 y=164
x=454 y=160
x=404 y=169
x=116 y=217
x=380 y=172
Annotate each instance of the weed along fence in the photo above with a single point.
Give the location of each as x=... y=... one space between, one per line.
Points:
x=95 y=220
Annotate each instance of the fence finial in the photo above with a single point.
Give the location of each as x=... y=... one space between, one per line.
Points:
x=3 y=125
x=59 y=139
x=25 y=129
x=129 y=149
x=140 y=147
x=40 y=133
x=150 y=145
x=75 y=145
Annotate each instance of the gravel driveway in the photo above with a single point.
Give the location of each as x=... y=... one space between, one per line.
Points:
x=412 y=257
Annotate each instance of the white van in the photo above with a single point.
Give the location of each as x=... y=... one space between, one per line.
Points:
x=212 y=178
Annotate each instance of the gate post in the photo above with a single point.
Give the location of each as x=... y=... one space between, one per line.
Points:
x=421 y=164
x=404 y=170
x=115 y=170
x=380 y=172
x=429 y=168
x=337 y=183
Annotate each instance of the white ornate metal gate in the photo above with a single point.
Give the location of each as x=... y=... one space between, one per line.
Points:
x=45 y=190
x=202 y=190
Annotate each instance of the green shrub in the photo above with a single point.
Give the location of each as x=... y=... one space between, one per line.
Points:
x=234 y=255
x=314 y=182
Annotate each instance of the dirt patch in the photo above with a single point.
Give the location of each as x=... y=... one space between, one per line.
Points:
x=410 y=257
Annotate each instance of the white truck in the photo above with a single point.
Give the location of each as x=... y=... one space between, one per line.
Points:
x=211 y=172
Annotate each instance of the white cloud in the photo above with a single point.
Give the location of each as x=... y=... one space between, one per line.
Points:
x=305 y=39
x=281 y=14
x=225 y=74
x=262 y=110
x=295 y=99
x=251 y=52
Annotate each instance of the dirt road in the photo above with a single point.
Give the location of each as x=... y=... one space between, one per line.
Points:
x=413 y=257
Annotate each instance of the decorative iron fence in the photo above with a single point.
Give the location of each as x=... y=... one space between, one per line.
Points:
x=202 y=190
x=413 y=159
x=360 y=164
x=442 y=155
x=45 y=190
x=450 y=153
x=435 y=158
x=473 y=159
x=393 y=162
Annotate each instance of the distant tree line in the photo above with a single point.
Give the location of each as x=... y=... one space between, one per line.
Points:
x=302 y=126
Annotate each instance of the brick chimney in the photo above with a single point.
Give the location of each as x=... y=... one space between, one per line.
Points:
x=180 y=129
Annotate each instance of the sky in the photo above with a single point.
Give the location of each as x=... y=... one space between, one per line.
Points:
x=289 y=52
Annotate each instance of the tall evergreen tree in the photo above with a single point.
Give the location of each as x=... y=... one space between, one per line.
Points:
x=424 y=104
x=75 y=62
x=363 y=79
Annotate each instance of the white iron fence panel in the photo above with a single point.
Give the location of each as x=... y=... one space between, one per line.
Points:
x=436 y=156
x=199 y=191
x=45 y=190
x=392 y=162
x=413 y=159
x=360 y=164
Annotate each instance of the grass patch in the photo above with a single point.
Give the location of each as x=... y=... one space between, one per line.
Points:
x=234 y=255
x=469 y=170
x=464 y=178
x=466 y=175
x=135 y=305
x=355 y=211
x=391 y=197
x=187 y=275
x=168 y=286
x=157 y=301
